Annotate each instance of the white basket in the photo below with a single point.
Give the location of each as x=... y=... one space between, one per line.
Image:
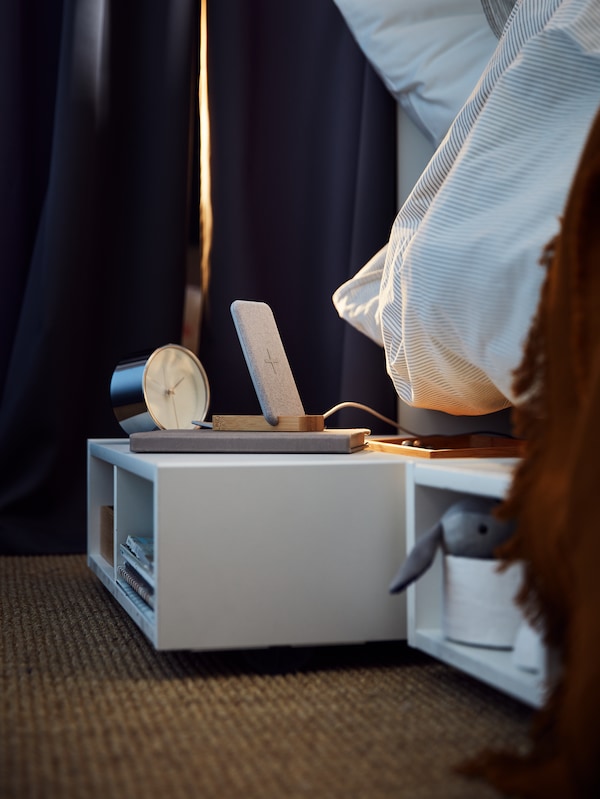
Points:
x=478 y=602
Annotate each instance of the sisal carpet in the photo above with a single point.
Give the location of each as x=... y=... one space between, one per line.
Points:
x=88 y=709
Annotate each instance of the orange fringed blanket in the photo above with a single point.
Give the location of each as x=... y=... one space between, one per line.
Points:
x=555 y=500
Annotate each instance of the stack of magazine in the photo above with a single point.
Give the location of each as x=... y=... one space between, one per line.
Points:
x=137 y=569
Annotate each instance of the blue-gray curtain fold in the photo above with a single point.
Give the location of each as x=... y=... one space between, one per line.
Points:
x=96 y=105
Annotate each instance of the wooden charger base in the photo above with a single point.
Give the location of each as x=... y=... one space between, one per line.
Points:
x=286 y=424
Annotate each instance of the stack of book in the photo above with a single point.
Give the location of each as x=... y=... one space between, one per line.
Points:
x=137 y=567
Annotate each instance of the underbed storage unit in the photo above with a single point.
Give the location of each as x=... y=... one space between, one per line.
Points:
x=221 y=551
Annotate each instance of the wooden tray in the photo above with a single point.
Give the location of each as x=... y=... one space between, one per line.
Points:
x=474 y=445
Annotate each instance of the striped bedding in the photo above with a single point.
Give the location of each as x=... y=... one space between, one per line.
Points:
x=452 y=296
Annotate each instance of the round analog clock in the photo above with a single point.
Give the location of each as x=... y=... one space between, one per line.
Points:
x=169 y=390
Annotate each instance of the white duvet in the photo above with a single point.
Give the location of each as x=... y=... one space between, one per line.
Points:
x=452 y=296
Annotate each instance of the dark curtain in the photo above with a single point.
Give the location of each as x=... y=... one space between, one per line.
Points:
x=304 y=193
x=97 y=189
x=95 y=112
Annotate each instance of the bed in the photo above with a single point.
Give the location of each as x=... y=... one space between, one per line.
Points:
x=495 y=101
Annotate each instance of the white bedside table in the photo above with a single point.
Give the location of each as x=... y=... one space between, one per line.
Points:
x=253 y=551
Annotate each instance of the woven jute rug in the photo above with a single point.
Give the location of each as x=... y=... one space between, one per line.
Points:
x=89 y=709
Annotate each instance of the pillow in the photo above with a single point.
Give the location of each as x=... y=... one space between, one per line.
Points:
x=453 y=299
x=429 y=53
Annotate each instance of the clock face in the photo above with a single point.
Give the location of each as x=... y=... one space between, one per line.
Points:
x=175 y=388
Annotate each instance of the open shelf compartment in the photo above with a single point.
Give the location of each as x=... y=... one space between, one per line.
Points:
x=431 y=489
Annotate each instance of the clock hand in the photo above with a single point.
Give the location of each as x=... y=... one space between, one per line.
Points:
x=172 y=393
x=157 y=384
x=172 y=389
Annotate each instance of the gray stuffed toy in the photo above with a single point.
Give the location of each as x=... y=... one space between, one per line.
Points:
x=468 y=529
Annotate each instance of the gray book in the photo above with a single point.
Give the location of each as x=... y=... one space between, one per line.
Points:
x=207 y=440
